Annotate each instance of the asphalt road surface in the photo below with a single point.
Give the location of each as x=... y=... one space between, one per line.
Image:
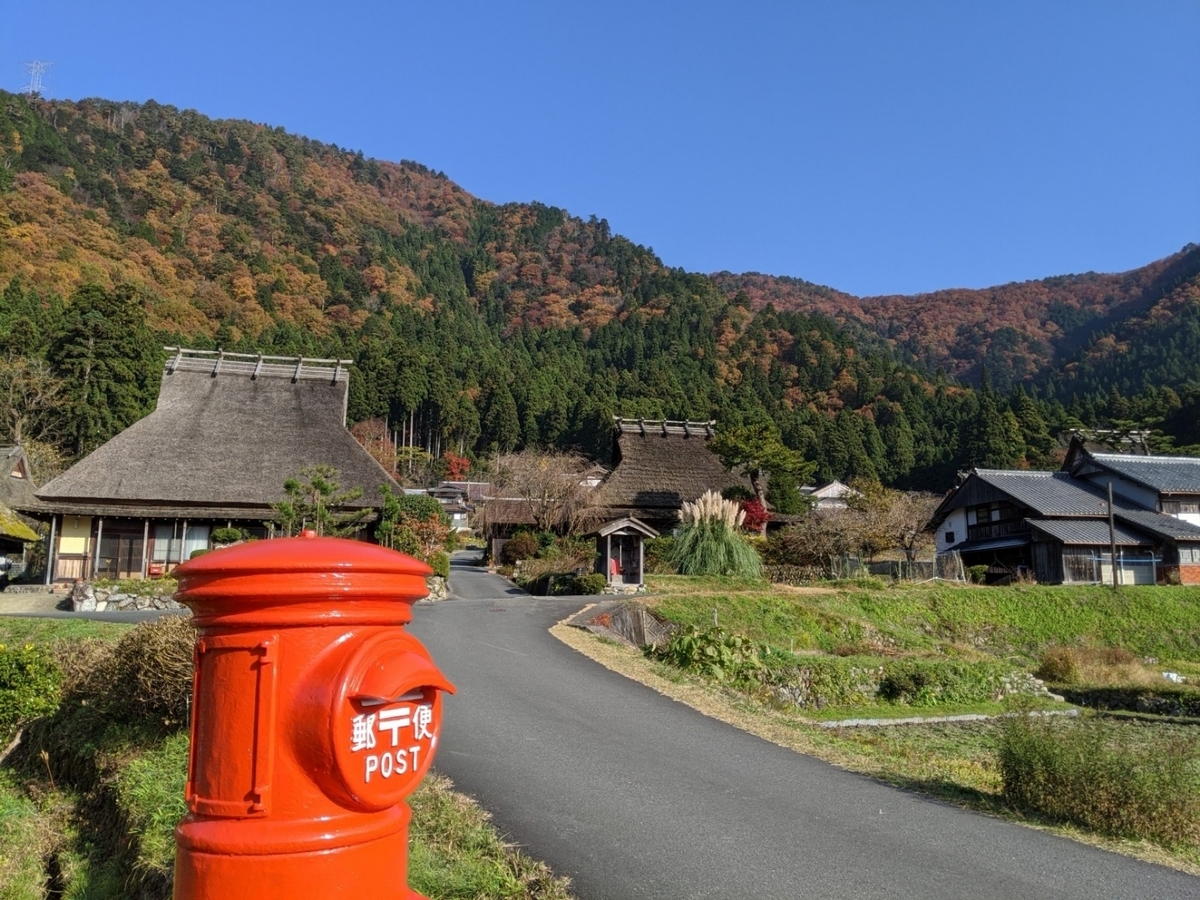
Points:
x=634 y=795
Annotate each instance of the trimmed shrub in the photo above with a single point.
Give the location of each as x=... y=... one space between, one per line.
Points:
x=591 y=583
x=440 y=563
x=1059 y=665
x=227 y=535
x=152 y=666
x=977 y=574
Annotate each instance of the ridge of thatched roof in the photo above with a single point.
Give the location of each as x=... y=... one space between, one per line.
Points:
x=662 y=465
x=224 y=436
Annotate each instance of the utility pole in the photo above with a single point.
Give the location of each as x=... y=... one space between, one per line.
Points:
x=1112 y=538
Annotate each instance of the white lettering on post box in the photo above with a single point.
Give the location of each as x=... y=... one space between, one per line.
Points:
x=365 y=731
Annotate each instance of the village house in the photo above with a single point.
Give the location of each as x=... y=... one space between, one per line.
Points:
x=16 y=489
x=227 y=431
x=1055 y=526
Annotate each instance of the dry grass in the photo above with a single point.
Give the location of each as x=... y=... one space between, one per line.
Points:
x=1098 y=667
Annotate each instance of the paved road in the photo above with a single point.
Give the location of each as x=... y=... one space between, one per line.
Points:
x=634 y=795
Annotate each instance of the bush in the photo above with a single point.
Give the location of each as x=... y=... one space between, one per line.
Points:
x=657 y=555
x=199 y=551
x=29 y=686
x=591 y=583
x=711 y=548
x=712 y=653
x=977 y=574
x=1059 y=665
x=522 y=545
x=152 y=664
x=1073 y=772
x=440 y=563
x=227 y=535
x=1092 y=665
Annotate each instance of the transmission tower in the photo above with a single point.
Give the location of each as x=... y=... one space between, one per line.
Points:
x=37 y=68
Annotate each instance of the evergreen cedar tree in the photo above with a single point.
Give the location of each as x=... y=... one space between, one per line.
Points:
x=479 y=328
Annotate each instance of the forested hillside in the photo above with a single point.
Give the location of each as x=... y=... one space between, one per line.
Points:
x=477 y=326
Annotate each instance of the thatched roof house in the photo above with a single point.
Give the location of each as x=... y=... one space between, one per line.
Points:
x=227 y=431
x=657 y=467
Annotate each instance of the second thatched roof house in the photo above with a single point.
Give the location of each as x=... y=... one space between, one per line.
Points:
x=228 y=430
x=657 y=467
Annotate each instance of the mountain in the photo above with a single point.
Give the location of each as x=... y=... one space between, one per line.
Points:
x=476 y=326
x=1019 y=333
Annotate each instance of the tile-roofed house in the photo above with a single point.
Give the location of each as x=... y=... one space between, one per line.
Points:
x=227 y=431
x=1054 y=526
x=657 y=467
x=1169 y=484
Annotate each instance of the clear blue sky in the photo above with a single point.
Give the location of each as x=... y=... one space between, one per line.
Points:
x=876 y=147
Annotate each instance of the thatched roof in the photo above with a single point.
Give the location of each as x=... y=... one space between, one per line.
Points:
x=16 y=478
x=659 y=466
x=13 y=529
x=226 y=433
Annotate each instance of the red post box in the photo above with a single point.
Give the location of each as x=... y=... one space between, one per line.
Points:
x=315 y=715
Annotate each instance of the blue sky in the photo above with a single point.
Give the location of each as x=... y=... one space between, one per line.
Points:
x=876 y=147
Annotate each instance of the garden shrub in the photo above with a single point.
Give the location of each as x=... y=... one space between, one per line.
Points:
x=1059 y=665
x=29 y=686
x=977 y=574
x=440 y=563
x=227 y=535
x=591 y=583
x=522 y=545
x=1075 y=772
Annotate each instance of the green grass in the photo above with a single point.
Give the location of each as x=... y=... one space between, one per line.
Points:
x=1018 y=621
x=149 y=792
x=455 y=853
x=33 y=630
x=21 y=844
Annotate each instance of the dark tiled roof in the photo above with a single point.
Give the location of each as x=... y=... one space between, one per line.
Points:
x=1158 y=524
x=223 y=442
x=662 y=471
x=1048 y=493
x=1093 y=532
x=1165 y=474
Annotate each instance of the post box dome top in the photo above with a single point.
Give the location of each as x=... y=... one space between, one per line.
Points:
x=334 y=573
